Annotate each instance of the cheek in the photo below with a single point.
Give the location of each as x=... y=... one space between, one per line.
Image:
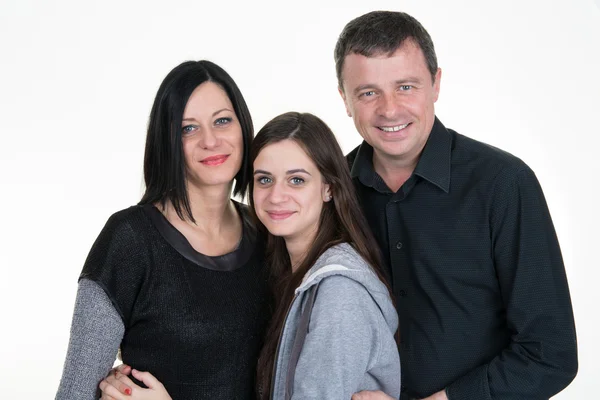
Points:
x=188 y=151
x=255 y=197
x=363 y=113
x=259 y=197
x=238 y=139
x=316 y=202
x=419 y=106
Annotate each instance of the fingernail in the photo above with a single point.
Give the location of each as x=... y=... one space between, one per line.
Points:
x=128 y=391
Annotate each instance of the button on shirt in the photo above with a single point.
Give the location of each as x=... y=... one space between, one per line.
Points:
x=476 y=270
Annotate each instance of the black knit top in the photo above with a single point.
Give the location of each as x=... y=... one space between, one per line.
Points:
x=195 y=322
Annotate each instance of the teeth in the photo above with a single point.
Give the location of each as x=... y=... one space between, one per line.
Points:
x=393 y=128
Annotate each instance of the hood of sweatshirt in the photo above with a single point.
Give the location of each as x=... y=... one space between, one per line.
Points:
x=343 y=259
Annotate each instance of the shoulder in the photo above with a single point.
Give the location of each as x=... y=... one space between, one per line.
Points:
x=343 y=260
x=346 y=301
x=338 y=293
x=466 y=148
x=124 y=219
x=487 y=164
x=121 y=239
x=132 y=222
x=342 y=254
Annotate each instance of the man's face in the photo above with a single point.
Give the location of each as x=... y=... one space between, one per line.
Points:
x=391 y=101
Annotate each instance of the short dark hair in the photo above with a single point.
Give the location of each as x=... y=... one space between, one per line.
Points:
x=382 y=32
x=164 y=165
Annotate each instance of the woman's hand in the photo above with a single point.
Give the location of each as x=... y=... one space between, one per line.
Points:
x=113 y=381
x=117 y=386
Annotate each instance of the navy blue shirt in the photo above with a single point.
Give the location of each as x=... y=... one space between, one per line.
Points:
x=477 y=272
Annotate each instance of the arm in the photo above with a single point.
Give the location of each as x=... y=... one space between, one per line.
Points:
x=343 y=343
x=96 y=333
x=541 y=358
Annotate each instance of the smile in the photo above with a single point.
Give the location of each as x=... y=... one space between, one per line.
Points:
x=393 y=128
x=215 y=160
x=280 y=215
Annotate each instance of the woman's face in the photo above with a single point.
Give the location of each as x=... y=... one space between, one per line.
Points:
x=212 y=137
x=288 y=191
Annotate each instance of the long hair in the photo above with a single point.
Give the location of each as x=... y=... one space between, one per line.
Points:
x=164 y=166
x=341 y=220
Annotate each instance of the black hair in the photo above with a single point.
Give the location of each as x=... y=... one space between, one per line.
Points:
x=164 y=165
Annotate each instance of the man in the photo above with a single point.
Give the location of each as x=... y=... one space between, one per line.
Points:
x=475 y=265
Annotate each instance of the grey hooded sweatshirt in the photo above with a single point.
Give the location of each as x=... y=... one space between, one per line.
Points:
x=338 y=336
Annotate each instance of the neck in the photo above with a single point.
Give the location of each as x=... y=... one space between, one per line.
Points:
x=297 y=248
x=393 y=172
x=211 y=207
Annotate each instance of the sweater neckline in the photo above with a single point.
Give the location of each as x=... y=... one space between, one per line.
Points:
x=227 y=262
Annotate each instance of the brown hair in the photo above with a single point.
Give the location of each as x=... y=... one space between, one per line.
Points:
x=341 y=221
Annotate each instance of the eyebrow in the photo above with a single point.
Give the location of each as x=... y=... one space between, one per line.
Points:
x=289 y=172
x=404 y=81
x=215 y=113
x=410 y=79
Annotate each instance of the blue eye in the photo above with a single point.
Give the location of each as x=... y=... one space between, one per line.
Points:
x=188 y=129
x=264 y=180
x=367 y=94
x=297 y=181
x=223 y=121
x=404 y=88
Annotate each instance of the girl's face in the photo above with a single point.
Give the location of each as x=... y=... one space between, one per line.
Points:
x=212 y=137
x=288 y=191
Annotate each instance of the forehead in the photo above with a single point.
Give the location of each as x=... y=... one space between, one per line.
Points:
x=406 y=61
x=207 y=98
x=284 y=155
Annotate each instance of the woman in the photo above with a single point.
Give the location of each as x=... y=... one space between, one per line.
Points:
x=177 y=282
x=333 y=330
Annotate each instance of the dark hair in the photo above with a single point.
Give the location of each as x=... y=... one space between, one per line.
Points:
x=164 y=166
x=341 y=220
x=382 y=32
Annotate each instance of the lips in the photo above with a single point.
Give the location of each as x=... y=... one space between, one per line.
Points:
x=280 y=215
x=215 y=160
x=393 y=128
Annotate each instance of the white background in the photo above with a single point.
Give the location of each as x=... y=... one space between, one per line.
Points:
x=77 y=80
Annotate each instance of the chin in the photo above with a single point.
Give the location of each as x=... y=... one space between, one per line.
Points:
x=278 y=230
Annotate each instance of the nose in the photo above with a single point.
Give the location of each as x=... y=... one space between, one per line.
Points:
x=388 y=106
x=210 y=139
x=277 y=194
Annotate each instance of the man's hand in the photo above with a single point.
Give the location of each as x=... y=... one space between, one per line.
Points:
x=379 y=395
x=370 y=395
x=441 y=395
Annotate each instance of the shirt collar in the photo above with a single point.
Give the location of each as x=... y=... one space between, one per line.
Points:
x=433 y=164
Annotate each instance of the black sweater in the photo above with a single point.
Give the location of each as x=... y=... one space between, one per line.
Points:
x=195 y=322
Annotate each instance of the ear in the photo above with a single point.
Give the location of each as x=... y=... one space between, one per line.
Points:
x=326 y=193
x=436 y=84
x=341 y=91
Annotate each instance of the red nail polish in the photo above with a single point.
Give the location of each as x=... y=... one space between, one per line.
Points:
x=128 y=391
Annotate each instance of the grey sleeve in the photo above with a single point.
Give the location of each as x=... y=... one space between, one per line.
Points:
x=96 y=334
x=343 y=344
